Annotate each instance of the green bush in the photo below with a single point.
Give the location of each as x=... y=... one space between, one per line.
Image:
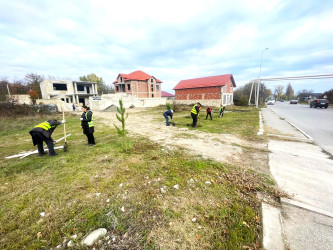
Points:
x=241 y=101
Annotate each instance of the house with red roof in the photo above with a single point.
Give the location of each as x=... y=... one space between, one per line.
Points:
x=139 y=84
x=167 y=95
x=212 y=90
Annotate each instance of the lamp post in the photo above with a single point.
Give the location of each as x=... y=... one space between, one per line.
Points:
x=257 y=99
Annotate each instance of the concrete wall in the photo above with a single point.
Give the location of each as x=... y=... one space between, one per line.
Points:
x=211 y=102
x=108 y=100
x=60 y=104
x=21 y=99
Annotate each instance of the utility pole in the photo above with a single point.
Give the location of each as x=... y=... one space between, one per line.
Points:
x=8 y=90
x=257 y=97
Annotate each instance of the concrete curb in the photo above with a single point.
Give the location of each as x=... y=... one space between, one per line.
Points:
x=261 y=124
x=273 y=235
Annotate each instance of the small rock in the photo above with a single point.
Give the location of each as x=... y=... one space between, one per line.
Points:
x=100 y=242
x=191 y=180
x=149 y=182
x=208 y=183
x=147 y=177
x=194 y=219
x=107 y=237
x=163 y=190
x=120 y=185
x=176 y=186
x=59 y=246
x=122 y=209
x=106 y=156
x=107 y=200
x=6 y=183
x=74 y=236
x=158 y=179
x=109 y=242
x=96 y=176
x=70 y=244
x=98 y=194
x=125 y=236
x=114 y=239
x=93 y=237
x=42 y=214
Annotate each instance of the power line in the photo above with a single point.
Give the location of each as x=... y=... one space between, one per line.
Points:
x=308 y=77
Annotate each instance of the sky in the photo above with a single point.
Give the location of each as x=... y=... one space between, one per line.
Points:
x=171 y=40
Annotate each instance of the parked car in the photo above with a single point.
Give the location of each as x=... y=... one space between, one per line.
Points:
x=270 y=102
x=321 y=103
x=293 y=101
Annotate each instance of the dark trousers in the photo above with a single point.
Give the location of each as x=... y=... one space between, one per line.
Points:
x=209 y=114
x=38 y=138
x=166 y=119
x=91 y=138
x=195 y=119
x=221 y=113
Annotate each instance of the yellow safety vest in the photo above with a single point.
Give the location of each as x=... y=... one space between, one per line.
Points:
x=194 y=111
x=91 y=123
x=45 y=125
x=221 y=109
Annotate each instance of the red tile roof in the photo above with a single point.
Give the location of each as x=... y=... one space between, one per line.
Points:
x=166 y=94
x=211 y=81
x=136 y=75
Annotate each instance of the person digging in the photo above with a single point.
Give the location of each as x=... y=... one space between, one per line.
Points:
x=194 y=113
x=42 y=133
x=166 y=115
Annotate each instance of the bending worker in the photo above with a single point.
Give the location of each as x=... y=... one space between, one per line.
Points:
x=166 y=115
x=222 y=108
x=87 y=124
x=209 y=113
x=42 y=132
x=194 y=113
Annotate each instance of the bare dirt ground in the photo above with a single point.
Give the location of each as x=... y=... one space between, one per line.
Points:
x=224 y=148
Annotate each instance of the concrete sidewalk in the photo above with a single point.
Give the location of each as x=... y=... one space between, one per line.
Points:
x=301 y=169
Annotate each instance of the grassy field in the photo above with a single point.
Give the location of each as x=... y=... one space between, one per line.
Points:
x=126 y=186
x=242 y=121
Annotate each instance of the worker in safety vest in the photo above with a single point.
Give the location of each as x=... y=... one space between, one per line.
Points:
x=42 y=132
x=222 y=108
x=194 y=113
x=209 y=113
x=87 y=124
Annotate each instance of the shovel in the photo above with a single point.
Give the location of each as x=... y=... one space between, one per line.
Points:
x=63 y=117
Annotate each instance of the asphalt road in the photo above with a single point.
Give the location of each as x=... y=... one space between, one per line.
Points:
x=316 y=122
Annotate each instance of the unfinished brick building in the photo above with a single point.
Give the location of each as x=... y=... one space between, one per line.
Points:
x=212 y=90
x=139 y=84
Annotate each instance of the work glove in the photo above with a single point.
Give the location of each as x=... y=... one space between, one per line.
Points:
x=63 y=121
x=81 y=118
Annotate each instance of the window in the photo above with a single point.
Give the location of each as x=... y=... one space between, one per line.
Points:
x=152 y=88
x=59 y=86
x=128 y=86
x=120 y=79
x=157 y=87
x=88 y=90
x=117 y=88
x=151 y=80
x=80 y=88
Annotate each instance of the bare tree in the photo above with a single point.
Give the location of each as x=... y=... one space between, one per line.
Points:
x=278 y=89
x=33 y=81
x=289 y=92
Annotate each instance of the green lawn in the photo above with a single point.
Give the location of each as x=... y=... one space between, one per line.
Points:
x=80 y=190
x=242 y=121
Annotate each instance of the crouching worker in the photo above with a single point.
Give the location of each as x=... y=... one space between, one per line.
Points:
x=222 y=108
x=87 y=124
x=42 y=133
x=166 y=115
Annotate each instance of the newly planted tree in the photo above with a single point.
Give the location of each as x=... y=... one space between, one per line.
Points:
x=121 y=117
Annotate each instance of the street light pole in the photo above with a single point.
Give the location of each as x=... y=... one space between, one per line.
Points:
x=258 y=87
